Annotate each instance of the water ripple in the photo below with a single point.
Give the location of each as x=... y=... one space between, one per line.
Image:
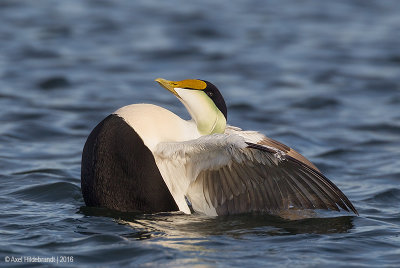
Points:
x=386 y=197
x=307 y=75
x=317 y=103
x=49 y=192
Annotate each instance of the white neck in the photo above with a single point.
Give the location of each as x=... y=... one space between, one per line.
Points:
x=203 y=111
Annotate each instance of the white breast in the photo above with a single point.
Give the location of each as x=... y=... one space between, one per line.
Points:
x=155 y=124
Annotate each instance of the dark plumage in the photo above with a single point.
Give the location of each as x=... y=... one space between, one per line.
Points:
x=214 y=94
x=119 y=172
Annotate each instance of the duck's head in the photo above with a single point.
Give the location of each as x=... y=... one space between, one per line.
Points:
x=203 y=101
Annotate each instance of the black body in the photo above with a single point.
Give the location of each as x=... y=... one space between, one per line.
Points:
x=119 y=172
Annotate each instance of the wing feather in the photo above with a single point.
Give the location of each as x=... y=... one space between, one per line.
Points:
x=267 y=189
x=217 y=176
x=302 y=193
x=228 y=174
x=323 y=199
x=206 y=188
x=211 y=189
x=227 y=192
x=325 y=189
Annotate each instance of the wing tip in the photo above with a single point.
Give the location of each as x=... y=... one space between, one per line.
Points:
x=345 y=203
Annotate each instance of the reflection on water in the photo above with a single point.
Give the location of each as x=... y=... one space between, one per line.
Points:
x=197 y=234
x=199 y=226
x=202 y=233
x=320 y=76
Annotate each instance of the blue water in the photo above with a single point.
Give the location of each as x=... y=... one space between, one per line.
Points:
x=322 y=77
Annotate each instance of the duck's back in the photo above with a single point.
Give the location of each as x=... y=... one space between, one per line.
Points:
x=119 y=172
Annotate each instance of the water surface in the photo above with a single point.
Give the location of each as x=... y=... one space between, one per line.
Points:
x=322 y=77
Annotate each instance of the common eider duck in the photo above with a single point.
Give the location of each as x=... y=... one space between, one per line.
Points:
x=146 y=158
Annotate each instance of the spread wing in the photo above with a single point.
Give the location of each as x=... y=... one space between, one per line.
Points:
x=224 y=174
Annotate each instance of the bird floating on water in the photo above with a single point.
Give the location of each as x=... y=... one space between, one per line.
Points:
x=146 y=158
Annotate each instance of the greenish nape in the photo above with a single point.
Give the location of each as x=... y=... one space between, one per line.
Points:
x=209 y=120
